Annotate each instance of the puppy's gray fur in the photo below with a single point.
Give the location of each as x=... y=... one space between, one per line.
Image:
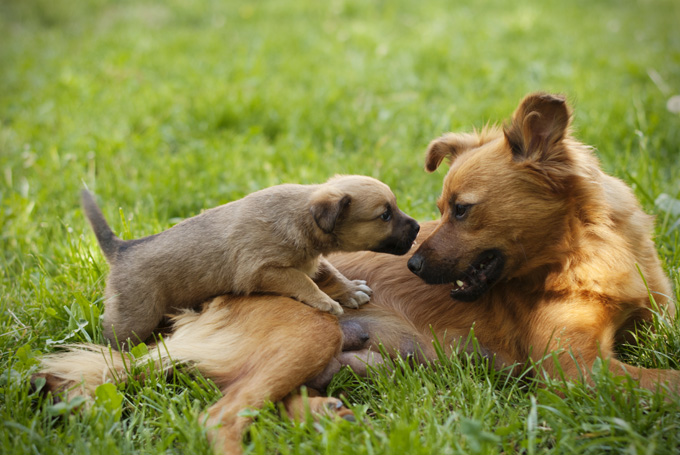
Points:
x=270 y=241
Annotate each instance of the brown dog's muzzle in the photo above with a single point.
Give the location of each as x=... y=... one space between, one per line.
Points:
x=469 y=282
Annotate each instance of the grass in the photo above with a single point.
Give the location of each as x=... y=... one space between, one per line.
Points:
x=165 y=108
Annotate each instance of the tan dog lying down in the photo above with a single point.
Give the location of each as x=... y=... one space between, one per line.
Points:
x=271 y=241
x=537 y=249
x=288 y=344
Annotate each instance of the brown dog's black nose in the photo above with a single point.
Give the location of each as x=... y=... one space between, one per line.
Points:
x=415 y=264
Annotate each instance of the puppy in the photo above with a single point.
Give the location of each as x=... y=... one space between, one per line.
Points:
x=271 y=241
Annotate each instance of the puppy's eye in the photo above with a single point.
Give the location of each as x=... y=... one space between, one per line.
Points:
x=386 y=215
x=461 y=211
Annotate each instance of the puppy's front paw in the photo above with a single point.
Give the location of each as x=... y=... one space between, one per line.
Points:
x=356 y=295
x=325 y=304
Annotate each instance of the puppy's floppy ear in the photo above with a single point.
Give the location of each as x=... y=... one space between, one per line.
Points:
x=540 y=122
x=327 y=207
x=448 y=146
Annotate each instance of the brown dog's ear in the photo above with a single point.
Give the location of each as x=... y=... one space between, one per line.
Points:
x=326 y=208
x=539 y=123
x=448 y=146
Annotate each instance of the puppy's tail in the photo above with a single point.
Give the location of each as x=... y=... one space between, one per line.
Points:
x=108 y=241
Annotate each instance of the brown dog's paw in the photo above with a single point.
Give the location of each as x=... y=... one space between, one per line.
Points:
x=356 y=294
x=298 y=406
x=332 y=407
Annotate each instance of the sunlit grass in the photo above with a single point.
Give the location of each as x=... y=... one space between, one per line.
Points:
x=167 y=108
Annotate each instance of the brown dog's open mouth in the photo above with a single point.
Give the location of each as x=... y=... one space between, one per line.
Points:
x=484 y=271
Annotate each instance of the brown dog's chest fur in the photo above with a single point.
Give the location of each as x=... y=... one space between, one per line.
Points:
x=537 y=250
x=577 y=302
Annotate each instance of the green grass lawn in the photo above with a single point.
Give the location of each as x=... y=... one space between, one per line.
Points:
x=168 y=107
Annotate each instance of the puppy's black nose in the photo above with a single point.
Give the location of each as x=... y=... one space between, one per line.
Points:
x=415 y=264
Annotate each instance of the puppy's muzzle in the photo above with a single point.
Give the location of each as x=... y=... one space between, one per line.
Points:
x=402 y=238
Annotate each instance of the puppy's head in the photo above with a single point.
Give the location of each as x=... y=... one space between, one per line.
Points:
x=360 y=213
x=506 y=201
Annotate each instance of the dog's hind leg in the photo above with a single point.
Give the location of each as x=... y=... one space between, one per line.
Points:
x=385 y=329
x=255 y=349
x=367 y=335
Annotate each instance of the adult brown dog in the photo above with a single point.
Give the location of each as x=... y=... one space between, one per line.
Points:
x=536 y=248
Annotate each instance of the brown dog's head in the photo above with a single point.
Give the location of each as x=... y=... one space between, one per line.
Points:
x=361 y=213
x=506 y=200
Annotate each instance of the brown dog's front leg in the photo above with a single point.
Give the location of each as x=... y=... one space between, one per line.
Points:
x=648 y=378
x=572 y=347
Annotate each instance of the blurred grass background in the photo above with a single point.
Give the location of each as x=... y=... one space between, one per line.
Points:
x=167 y=107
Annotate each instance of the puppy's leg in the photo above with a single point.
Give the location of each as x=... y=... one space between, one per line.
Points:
x=350 y=293
x=125 y=319
x=291 y=282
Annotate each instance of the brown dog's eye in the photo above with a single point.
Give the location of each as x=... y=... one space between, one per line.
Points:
x=461 y=211
x=387 y=215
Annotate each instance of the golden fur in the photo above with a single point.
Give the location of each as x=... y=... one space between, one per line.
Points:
x=270 y=241
x=288 y=343
x=539 y=243
x=567 y=240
